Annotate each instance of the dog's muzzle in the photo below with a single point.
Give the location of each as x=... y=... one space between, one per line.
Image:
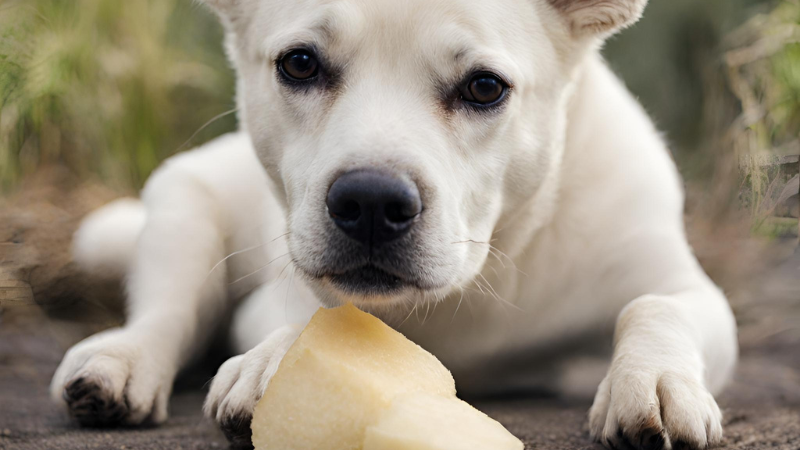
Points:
x=374 y=210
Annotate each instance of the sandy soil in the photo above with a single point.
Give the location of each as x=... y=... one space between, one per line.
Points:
x=46 y=305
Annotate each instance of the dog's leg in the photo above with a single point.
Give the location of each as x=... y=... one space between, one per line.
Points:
x=241 y=381
x=125 y=375
x=671 y=353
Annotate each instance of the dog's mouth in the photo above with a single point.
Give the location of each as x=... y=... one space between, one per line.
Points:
x=368 y=280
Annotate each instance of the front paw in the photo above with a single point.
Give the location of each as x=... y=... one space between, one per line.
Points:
x=241 y=381
x=638 y=408
x=114 y=378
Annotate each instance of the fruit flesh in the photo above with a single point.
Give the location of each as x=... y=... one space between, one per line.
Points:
x=345 y=368
x=421 y=421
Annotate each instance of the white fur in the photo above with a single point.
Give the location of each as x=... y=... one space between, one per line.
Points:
x=106 y=240
x=239 y=377
x=544 y=222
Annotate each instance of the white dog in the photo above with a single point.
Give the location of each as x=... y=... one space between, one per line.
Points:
x=469 y=171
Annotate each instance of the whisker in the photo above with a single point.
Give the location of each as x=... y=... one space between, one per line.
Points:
x=497 y=296
x=438 y=299
x=458 y=306
x=408 y=316
x=205 y=125
x=498 y=230
x=471 y=311
x=478 y=284
x=482 y=286
x=411 y=312
x=493 y=252
x=259 y=269
x=245 y=250
x=427 y=310
x=496 y=252
x=500 y=252
x=469 y=302
x=280 y=278
x=238 y=252
x=489 y=286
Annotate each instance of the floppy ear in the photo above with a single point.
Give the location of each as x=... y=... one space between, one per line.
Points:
x=599 y=17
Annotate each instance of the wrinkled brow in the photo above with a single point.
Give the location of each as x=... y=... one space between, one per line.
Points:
x=460 y=54
x=320 y=30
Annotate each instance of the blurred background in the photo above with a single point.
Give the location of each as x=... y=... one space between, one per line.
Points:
x=108 y=89
x=94 y=94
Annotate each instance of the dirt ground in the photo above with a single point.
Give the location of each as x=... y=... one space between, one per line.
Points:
x=46 y=305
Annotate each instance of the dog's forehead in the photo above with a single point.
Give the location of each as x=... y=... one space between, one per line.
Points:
x=390 y=29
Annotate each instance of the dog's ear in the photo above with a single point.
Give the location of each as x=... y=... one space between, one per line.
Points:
x=599 y=17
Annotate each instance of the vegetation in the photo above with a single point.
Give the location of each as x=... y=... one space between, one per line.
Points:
x=764 y=71
x=108 y=88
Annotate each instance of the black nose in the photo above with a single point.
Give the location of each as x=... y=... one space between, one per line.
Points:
x=373 y=207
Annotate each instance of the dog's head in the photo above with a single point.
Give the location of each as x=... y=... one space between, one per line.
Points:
x=400 y=133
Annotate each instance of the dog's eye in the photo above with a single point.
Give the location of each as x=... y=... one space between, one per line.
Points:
x=299 y=65
x=485 y=89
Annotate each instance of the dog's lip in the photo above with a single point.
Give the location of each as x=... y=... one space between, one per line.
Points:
x=366 y=278
x=381 y=278
x=334 y=277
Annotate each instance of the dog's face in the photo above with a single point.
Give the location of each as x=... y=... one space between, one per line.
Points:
x=400 y=133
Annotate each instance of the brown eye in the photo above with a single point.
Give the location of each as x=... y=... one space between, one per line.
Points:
x=299 y=65
x=485 y=89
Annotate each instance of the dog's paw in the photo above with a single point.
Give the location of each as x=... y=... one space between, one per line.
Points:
x=114 y=378
x=241 y=381
x=639 y=409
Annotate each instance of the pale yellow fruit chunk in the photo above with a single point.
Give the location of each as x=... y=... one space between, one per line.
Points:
x=341 y=373
x=427 y=422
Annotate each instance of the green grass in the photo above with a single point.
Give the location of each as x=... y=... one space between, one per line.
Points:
x=108 y=88
x=764 y=71
x=776 y=227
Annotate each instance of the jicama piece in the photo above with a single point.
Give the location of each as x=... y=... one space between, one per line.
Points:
x=422 y=421
x=343 y=371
